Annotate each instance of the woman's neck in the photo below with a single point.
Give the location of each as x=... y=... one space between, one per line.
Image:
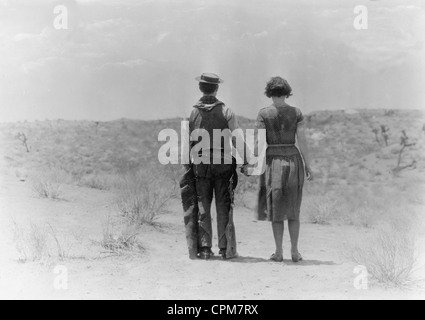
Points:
x=279 y=101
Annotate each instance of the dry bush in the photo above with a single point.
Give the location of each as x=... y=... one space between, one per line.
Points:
x=143 y=195
x=120 y=236
x=37 y=243
x=320 y=210
x=97 y=181
x=174 y=173
x=48 y=183
x=388 y=255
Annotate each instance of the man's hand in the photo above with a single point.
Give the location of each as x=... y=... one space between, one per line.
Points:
x=245 y=168
x=309 y=174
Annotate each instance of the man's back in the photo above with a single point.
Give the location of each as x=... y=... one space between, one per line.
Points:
x=211 y=115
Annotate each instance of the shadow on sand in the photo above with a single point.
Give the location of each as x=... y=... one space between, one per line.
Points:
x=286 y=262
x=306 y=263
x=248 y=260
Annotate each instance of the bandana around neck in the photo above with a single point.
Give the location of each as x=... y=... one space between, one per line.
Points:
x=208 y=99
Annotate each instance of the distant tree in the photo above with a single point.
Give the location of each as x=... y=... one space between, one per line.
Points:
x=384 y=133
x=23 y=138
x=404 y=142
x=124 y=124
x=97 y=123
x=376 y=132
x=389 y=113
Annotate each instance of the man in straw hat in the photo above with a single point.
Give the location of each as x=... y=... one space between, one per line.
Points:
x=215 y=175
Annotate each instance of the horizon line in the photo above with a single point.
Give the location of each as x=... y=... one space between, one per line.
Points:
x=183 y=118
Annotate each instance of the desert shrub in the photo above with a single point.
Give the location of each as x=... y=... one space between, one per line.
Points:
x=320 y=210
x=388 y=254
x=37 y=243
x=174 y=173
x=77 y=172
x=120 y=236
x=143 y=195
x=31 y=244
x=95 y=181
x=48 y=183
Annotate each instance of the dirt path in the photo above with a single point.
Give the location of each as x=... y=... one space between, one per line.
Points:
x=162 y=270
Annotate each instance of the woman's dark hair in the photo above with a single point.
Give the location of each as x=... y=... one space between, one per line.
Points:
x=208 y=88
x=278 y=87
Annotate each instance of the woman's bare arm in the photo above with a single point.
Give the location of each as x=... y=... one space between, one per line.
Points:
x=305 y=153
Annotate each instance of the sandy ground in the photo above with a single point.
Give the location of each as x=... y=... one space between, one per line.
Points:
x=162 y=270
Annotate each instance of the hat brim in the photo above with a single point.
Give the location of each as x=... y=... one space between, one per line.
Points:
x=199 y=79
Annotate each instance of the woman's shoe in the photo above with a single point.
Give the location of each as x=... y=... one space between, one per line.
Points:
x=223 y=253
x=297 y=257
x=276 y=258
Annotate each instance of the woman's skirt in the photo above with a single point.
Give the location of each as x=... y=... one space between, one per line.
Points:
x=281 y=189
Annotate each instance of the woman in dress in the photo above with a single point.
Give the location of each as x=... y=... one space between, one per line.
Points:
x=286 y=165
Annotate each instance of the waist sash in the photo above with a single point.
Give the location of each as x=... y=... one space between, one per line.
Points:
x=280 y=145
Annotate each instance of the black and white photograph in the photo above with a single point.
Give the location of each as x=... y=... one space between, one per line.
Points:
x=212 y=155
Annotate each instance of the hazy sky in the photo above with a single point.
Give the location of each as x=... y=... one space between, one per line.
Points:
x=138 y=59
